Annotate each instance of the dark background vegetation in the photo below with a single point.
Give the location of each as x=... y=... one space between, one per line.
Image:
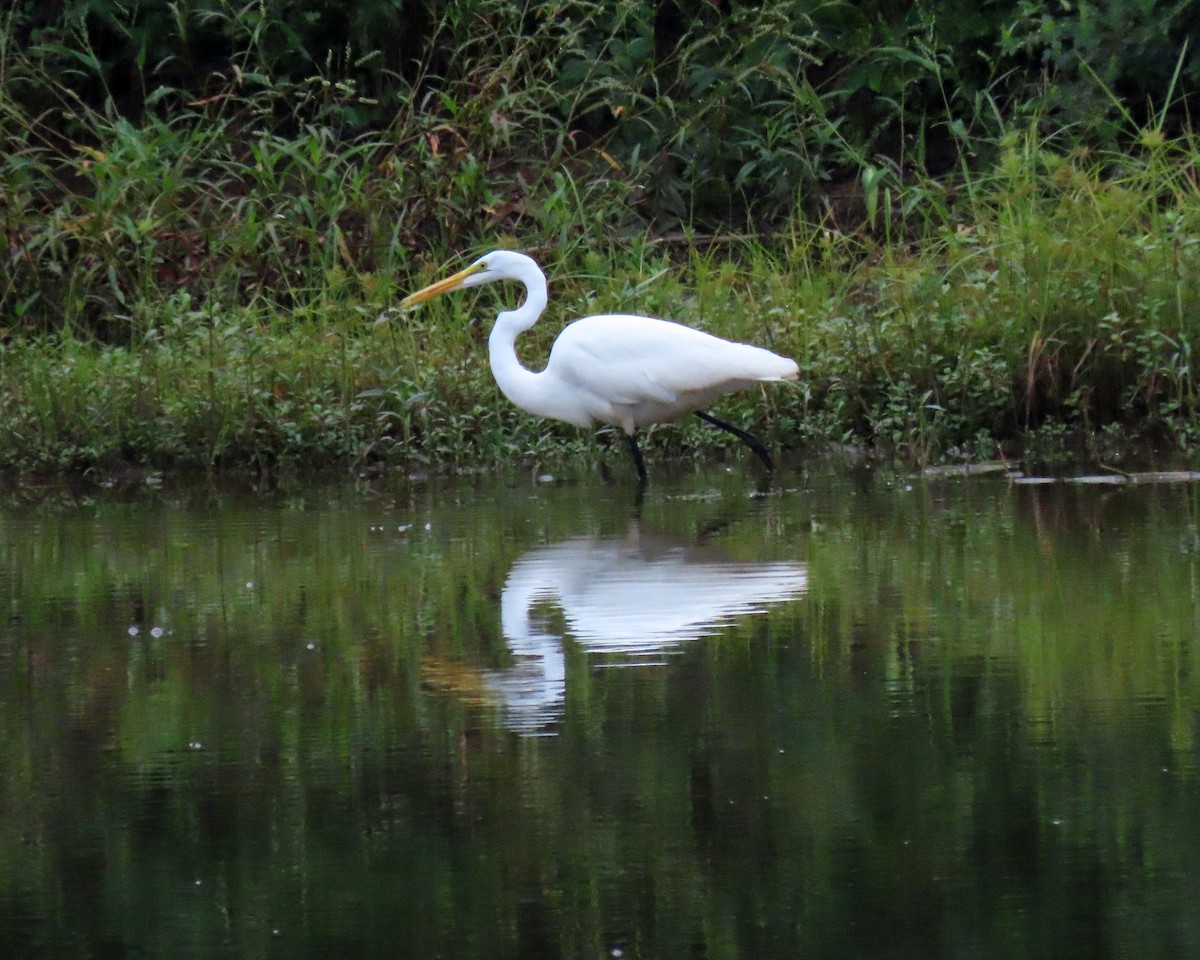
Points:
x=742 y=106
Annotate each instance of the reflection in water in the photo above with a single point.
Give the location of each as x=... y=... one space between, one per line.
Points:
x=977 y=735
x=629 y=601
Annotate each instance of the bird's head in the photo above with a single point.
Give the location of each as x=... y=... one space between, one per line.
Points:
x=497 y=265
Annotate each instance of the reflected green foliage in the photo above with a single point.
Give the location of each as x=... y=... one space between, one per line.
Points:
x=236 y=728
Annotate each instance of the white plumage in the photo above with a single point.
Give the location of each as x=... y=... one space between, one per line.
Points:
x=623 y=370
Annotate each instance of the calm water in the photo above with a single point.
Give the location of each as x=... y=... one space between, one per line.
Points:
x=866 y=716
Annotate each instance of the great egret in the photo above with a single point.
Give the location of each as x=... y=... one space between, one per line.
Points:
x=622 y=370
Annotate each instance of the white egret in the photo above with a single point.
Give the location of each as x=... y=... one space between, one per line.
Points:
x=627 y=371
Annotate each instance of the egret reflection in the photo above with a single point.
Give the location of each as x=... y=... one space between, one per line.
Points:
x=628 y=601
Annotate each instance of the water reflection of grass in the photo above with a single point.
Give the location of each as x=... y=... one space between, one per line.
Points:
x=1084 y=593
x=982 y=681
x=1087 y=597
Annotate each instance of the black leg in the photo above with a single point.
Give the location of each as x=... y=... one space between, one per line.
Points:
x=637 y=458
x=747 y=438
x=604 y=438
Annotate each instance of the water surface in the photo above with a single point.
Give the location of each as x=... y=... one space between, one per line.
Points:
x=862 y=715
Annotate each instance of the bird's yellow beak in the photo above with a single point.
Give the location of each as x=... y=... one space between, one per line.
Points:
x=442 y=286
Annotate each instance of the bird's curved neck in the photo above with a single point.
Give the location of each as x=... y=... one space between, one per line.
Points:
x=523 y=387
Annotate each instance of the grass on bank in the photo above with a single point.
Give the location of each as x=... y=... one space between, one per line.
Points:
x=213 y=288
x=1059 y=298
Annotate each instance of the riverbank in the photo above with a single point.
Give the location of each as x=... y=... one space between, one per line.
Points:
x=1058 y=306
x=212 y=284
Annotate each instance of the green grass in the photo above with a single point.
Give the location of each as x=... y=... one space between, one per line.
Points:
x=214 y=285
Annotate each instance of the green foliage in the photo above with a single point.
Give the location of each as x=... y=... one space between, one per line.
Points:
x=1065 y=298
x=1133 y=47
x=192 y=276
x=709 y=114
x=713 y=108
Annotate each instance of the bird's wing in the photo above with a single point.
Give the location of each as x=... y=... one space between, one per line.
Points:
x=631 y=360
